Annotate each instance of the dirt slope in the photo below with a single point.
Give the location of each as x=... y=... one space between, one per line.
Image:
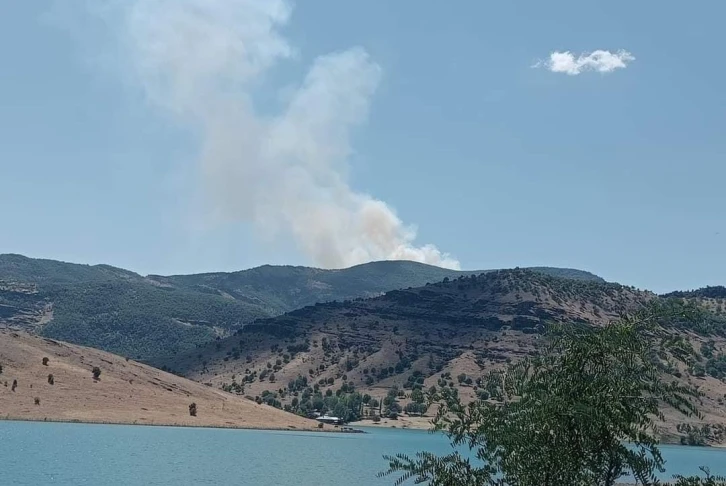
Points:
x=127 y=392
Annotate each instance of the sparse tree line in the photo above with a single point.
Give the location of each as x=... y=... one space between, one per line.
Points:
x=345 y=402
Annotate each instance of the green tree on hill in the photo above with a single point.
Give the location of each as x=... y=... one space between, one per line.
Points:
x=417 y=396
x=414 y=408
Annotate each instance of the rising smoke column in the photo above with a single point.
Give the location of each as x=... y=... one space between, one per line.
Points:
x=202 y=59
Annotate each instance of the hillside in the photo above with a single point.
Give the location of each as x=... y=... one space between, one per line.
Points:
x=443 y=318
x=111 y=308
x=126 y=391
x=148 y=317
x=713 y=298
x=444 y=334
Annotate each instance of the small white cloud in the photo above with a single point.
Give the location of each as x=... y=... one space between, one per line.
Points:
x=600 y=61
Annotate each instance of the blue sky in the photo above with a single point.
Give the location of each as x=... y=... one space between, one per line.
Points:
x=441 y=116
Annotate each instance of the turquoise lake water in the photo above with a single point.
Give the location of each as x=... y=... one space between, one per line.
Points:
x=80 y=454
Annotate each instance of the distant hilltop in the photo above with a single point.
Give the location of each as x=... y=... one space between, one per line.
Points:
x=146 y=316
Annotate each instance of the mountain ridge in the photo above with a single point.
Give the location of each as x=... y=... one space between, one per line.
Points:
x=146 y=316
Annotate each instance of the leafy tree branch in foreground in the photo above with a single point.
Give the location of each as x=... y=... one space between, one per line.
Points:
x=585 y=411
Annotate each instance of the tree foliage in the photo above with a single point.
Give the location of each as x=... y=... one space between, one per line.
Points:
x=565 y=415
x=707 y=480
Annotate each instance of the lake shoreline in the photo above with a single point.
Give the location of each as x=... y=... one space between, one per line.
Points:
x=289 y=428
x=424 y=423
x=403 y=423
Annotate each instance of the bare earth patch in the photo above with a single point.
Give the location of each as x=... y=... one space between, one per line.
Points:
x=126 y=393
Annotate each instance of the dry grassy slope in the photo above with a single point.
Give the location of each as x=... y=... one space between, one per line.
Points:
x=461 y=326
x=127 y=392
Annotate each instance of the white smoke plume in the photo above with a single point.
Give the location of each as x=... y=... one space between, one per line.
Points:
x=203 y=59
